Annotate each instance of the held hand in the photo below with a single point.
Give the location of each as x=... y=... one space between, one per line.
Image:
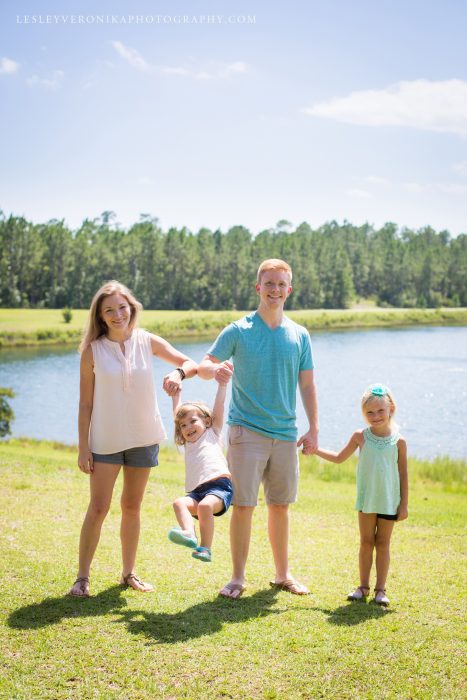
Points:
x=402 y=514
x=224 y=372
x=172 y=383
x=308 y=442
x=85 y=461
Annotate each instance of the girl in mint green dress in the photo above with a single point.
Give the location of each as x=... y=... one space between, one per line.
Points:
x=382 y=486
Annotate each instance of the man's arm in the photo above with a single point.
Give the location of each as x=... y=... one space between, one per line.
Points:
x=212 y=368
x=307 y=386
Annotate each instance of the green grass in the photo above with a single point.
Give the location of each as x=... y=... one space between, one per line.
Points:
x=182 y=641
x=20 y=327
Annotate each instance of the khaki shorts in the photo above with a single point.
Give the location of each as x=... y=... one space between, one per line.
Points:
x=254 y=459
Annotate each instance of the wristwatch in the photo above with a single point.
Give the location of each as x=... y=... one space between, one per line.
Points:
x=182 y=373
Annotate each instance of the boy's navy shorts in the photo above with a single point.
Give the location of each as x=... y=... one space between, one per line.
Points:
x=222 y=488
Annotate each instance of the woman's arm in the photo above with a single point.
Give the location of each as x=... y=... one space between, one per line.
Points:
x=172 y=381
x=86 y=397
x=403 y=510
x=338 y=457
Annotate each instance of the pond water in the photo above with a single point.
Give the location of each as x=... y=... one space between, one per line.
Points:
x=425 y=367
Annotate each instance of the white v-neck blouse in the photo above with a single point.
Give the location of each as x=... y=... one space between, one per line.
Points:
x=125 y=413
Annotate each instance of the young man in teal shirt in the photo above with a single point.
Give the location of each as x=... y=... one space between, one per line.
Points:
x=271 y=355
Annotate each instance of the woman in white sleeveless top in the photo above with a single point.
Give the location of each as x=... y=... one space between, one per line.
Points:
x=119 y=421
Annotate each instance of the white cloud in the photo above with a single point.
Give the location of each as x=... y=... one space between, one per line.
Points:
x=8 y=66
x=460 y=168
x=376 y=180
x=422 y=104
x=132 y=56
x=213 y=71
x=145 y=180
x=435 y=188
x=359 y=194
x=51 y=83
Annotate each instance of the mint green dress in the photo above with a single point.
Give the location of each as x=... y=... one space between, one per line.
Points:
x=378 y=484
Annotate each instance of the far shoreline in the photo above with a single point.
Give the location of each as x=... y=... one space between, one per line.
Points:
x=46 y=327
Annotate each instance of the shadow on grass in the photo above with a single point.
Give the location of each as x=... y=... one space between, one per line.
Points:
x=164 y=628
x=354 y=613
x=52 y=610
x=199 y=620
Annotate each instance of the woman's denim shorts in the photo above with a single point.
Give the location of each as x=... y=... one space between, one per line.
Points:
x=134 y=457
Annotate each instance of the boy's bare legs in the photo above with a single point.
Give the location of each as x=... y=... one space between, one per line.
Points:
x=101 y=484
x=383 y=538
x=206 y=508
x=278 y=530
x=240 y=534
x=183 y=508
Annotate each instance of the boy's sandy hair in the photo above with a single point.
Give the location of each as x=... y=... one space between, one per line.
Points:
x=273 y=264
x=204 y=411
x=95 y=326
x=379 y=391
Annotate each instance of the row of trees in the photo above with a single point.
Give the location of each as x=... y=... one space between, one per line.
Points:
x=50 y=265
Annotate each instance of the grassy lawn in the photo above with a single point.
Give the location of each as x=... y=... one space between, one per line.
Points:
x=182 y=641
x=46 y=326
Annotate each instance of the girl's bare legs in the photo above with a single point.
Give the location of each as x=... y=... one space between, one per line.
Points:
x=384 y=530
x=101 y=483
x=183 y=508
x=206 y=508
x=134 y=486
x=367 y=526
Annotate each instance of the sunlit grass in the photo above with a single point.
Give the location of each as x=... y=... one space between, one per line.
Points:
x=182 y=641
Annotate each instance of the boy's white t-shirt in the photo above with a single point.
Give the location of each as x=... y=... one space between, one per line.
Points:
x=204 y=460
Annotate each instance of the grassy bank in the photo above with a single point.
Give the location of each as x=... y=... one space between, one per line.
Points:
x=21 y=327
x=182 y=641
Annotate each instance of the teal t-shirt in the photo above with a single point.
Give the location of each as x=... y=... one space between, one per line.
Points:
x=267 y=363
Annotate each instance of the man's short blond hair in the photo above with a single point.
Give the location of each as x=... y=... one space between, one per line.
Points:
x=273 y=264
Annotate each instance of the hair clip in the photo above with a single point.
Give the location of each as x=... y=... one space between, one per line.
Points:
x=379 y=390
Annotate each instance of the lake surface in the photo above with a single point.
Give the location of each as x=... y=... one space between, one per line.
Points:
x=425 y=367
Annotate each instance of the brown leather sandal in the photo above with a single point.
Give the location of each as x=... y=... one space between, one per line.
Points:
x=355 y=596
x=126 y=581
x=381 y=599
x=82 y=580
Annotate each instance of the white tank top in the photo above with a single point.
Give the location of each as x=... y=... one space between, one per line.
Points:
x=204 y=460
x=124 y=412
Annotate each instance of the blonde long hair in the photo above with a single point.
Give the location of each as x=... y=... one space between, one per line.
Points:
x=95 y=325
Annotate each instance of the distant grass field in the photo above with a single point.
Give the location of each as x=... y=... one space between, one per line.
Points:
x=20 y=327
x=182 y=641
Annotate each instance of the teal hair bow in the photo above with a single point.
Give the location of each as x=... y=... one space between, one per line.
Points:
x=379 y=390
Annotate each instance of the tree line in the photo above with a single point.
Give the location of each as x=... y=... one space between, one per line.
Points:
x=50 y=265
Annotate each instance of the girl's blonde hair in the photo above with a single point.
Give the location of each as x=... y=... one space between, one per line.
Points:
x=204 y=411
x=95 y=326
x=379 y=391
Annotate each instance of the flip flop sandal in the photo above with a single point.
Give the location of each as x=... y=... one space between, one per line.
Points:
x=232 y=588
x=177 y=537
x=82 y=580
x=202 y=553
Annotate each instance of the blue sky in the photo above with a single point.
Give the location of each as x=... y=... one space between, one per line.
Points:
x=213 y=114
